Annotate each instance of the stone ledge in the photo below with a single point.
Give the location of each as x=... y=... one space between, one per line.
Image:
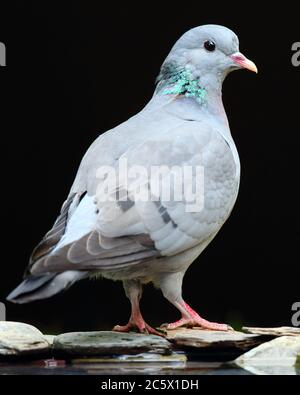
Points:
x=279 y=331
x=278 y=356
x=269 y=346
x=200 y=338
x=19 y=339
x=109 y=343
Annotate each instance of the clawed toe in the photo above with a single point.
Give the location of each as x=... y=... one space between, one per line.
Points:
x=192 y=323
x=229 y=328
x=145 y=329
x=157 y=332
x=121 y=328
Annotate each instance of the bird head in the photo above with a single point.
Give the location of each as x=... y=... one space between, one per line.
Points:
x=206 y=55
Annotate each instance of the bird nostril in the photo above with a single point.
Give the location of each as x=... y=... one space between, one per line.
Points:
x=238 y=58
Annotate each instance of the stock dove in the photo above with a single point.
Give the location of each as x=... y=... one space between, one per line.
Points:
x=110 y=227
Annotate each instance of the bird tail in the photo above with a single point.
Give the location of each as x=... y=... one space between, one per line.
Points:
x=44 y=286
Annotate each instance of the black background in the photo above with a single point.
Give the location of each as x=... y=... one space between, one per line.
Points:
x=78 y=69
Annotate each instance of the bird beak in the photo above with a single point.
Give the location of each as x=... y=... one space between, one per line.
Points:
x=243 y=62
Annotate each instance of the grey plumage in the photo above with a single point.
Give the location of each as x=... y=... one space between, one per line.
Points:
x=142 y=241
x=45 y=286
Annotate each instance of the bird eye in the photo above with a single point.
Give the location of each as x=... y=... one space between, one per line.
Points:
x=209 y=46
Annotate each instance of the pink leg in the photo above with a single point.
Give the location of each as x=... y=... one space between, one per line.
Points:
x=190 y=319
x=136 y=321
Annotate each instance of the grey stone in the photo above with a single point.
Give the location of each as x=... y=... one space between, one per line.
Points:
x=200 y=338
x=273 y=357
x=17 y=339
x=109 y=343
x=280 y=331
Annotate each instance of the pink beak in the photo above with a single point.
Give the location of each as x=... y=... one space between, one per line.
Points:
x=243 y=62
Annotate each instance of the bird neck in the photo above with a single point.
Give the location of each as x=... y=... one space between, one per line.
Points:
x=204 y=91
x=176 y=80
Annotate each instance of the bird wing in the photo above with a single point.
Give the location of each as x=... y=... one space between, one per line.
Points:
x=177 y=225
x=114 y=234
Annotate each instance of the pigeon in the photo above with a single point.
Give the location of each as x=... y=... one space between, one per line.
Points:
x=117 y=227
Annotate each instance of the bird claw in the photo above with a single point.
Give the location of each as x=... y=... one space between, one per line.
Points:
x=230 y=329
x=202 y=324
x=138 y=328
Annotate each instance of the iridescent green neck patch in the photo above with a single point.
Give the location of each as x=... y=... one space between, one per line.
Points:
x=179 y=81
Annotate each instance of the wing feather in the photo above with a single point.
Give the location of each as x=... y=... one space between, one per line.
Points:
x=114 y=235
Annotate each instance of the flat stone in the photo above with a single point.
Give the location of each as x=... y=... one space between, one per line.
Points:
x=18 y=339
x=201 y=338
x=280 y=331
x=109 y=343
x=279 y=352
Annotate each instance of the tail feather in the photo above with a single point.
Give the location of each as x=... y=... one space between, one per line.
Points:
x=45 y=286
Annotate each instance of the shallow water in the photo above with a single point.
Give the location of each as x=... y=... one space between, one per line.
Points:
x=189 y=368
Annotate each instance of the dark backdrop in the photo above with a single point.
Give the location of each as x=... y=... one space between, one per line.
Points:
x=73 y=72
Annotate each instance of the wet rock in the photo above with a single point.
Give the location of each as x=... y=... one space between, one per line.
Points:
x=18 y=339
x=200 y=338
x=280 y=331
x=109 y=343
x=272 y=357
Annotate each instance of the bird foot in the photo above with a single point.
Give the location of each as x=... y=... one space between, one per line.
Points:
x=140 y=326
x=190 y=318
x=192 y=322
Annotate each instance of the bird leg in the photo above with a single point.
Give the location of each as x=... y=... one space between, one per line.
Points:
x=190 y=319
x=133 y=290
x=171 y=286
